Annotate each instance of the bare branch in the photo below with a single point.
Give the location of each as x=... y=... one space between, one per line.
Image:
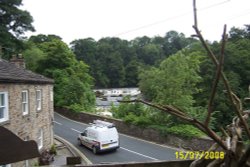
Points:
x=215 y=162
x=195 y=14
x=174 y=109
x=225 y=81
x=238 y=102
x=214 y=136
x=198 y=162
x=224 y=132
x=217 y=78
x=179 y=114
x=168 y=110
x=244 y=158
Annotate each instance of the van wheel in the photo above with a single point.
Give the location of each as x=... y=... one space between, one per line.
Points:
x=94 y=150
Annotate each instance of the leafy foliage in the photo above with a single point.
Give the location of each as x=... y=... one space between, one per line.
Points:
x=13 y=23
x=114 y=62
x=166 y=73
x=174 y=82
x=73 y=84
x=186 y=131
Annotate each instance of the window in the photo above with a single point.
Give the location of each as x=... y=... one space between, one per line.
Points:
x=26 y=164
x=51 y=95
x=4 y=113
x=5 y=165
x=25 y=102
x=40 y=139
x=38 y=100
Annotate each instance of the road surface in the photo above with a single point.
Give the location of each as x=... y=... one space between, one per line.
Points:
x=131 y=149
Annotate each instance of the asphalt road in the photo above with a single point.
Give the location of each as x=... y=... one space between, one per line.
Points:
x=131 y=149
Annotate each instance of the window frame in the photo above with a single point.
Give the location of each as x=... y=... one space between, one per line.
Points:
x=25 y=104
x=40 y=139
x=7 y=165
x=51 y=95
x=38 y=100
x=5 y=107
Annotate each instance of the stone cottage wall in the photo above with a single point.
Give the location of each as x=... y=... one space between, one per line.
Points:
x=27 y=126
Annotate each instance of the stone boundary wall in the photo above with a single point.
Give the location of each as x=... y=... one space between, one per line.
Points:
x=147 y=164
x=143 y=133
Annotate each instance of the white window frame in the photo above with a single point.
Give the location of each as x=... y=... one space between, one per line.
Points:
x=5 y=107
x=25 y=102
x=7 y=165
x=51 y=95
x=38 y=99
x=40 y=139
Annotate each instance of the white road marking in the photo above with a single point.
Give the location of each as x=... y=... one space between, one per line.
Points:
x=58 y=123
x=139 y=154
x=76 y=130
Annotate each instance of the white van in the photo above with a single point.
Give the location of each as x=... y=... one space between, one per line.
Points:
x=100 y=136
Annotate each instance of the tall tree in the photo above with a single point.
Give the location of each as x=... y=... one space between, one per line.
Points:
x=41 y=38
x=73 y=84
x=174 y=42
x=174 y=82
x=150 y=54
x=59 y=56
x=239 y=33
x=115 y=70
x=131 y=73
x=13 y=23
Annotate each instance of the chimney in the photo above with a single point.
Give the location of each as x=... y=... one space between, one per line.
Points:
x=18 y=60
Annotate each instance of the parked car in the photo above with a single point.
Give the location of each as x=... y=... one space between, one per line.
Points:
x=100 y=136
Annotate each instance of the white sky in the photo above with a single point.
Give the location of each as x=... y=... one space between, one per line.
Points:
x=128 y=19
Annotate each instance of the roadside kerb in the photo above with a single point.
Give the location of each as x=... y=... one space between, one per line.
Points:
x=73 y=149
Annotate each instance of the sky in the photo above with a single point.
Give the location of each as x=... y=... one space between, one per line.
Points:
x=128 y=19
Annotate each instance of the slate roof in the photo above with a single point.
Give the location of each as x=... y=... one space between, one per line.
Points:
x=10 y=73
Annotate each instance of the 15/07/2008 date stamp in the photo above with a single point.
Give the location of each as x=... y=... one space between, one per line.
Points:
x=199 y=154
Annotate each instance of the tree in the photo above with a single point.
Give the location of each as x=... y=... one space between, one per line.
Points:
x=84 y=49
x=114 y=70
x=73 y=84
x=41 y=38
x=174 y=41
x=131 y=73
x=239 y=33
x=13 y=23
x=174 y=82
x=238 y=61
x=59 y=56
x=150 y=54
x=231 y=140
x=32 y=56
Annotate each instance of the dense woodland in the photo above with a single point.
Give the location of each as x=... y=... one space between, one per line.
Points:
x=173 y=69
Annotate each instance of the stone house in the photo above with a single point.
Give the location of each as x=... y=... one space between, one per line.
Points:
x=26 y=105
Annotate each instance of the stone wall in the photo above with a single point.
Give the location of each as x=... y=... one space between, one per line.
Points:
x=143 y=133
x=27 y=126
x=148 y=164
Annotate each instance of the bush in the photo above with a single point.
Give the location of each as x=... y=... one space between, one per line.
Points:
x=141 y=121
x=183 y=130
x=76 y=108
x=53 y=149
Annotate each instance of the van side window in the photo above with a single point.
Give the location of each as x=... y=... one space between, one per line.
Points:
x=84 y=133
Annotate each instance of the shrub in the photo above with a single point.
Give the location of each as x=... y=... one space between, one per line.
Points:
x=183 y=130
